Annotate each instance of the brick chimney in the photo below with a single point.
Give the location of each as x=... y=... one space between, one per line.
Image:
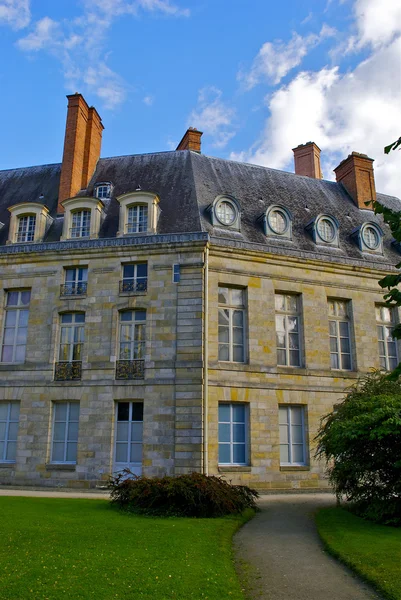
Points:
x=307 y=160
x=191 y=140
x=82 y=143
x=356 y=175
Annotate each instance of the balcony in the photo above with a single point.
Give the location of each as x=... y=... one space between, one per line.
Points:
x=68 y=371
x=133 y=286
x=130 y=369
x=73 y=289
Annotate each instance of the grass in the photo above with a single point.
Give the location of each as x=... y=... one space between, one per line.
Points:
x=84 y=549
x=373 y=551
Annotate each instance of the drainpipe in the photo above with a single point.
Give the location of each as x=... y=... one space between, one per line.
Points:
x=206 y=361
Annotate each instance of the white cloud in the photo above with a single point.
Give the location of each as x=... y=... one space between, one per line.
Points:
x=46 y=33
x=148 y=100
x=358 y=110
x=213 y=116
x=15 y=13
x=109 y=86
x=113 y=8
x=275 y=59
x=378 y=22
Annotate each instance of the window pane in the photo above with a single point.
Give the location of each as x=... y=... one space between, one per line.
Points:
x=281 y=357
x=332 y=328
x=296 y=415
x=224 y=453
x=58 y=452
x=224 y=412
x=283 y=414
x=223 y=295
x=11 y=450
x=293 y=339
x=2 y=457
x=224 y=432
x=73 y=432
x=23 y=318
x=7 y=354
x=59 y=432
x=122 y=432
x=71 y=452
x=279 y=302
x=238 y=413
x=292 y=324
x=238 y=318
x=128 y=271
x=11 y=318
x=137 y=411
x=2 y=432
x=223 y=317
x=284 y=454
x=123 y=411
x=238 y=336
x=122 y=453
x=292 y=304
x=344 y=344
x=333 y=344
x=223 y=352
x=238 y=433
x=294 y=358
x=142 y=270
x=334 y=361
x=137 y=431
x=74 y=411
x=126 y=315
x=136 y=453
x=237 y=297
x=283 y=434
x=67 y=318
x=239 y=453
x=343 y=329
x=296 y=434
x=393 y=363
x=280 y=323
x=346 y=361
x=80 y=318
x=298 y=454
x=60 y=409
x=22 y=333
x=9 y=336
x=238 y=354
x=224 y=335
x=20 y=353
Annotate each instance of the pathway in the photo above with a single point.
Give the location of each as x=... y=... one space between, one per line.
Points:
x=280 y=556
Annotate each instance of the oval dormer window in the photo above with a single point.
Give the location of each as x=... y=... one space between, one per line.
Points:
x=226 y=212
x=371 y=237
x=278 y=221
x=326 y=230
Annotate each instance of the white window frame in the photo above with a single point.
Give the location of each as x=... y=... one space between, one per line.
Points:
x=384 y=330
x=135 y=464
x=76 y=282
x=231 y=443
x=17 y=308
x=6 y=440
x=75 y=329
x=66 y=440
x=103 y=190
x=232 y=307
x=27 y=233
x=338 y=318
x=80 y=223
x=135 y=279
x=288 y=314
x=139 y=224
x=288 y=424
x=136 y=349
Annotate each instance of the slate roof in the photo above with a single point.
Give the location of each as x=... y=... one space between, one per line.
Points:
x=187 y=183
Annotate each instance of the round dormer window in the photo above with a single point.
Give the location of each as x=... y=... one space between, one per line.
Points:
x=278 y=221
x=371 y=237
x=326 y=230
x=226 y=212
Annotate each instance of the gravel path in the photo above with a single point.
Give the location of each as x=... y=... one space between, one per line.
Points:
x=280 y=556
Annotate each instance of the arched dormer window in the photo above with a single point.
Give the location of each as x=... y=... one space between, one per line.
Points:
x=225 y=212
x=82 y=218
x=277 y=222
x=139 y=213
x=369 y=237
x=324 y=230
x=103 y=190
x=28 y=223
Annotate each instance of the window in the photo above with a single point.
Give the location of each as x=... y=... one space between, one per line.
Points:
x=225 y=212
x=81 y=220
x=26 y=228
x=324 y=230
x=137 y=221
x=288 y=330
x=340 y=338
x=75 y=282
x=135 y=278
x=132 y=334
x=15 y=326
x=65 y=432
x=233 y=434
x=129 y=436
x=72 y=337
x=103 y=190
x=387 y=344
x=176 y=274
x=369 y=237
x=231 y=324
x=9 y=417
x=292 y=435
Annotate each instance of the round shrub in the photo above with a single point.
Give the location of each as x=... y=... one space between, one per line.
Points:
x=193 y=495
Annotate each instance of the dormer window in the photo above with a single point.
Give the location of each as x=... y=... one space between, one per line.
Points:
x=103 y=190
x=82 y=218
x=26 y=228
x=137 y=219
x=225 y=212
x=277 y=222
x=28 y=223
x=139 y=213
x=325 y=230
x=370 y=238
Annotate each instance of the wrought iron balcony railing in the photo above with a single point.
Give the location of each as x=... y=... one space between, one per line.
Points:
x=132 y=286
x=68 y=371
x=73 y=289
x=130 y=369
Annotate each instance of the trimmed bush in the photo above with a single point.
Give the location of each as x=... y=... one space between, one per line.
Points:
x=193 y=495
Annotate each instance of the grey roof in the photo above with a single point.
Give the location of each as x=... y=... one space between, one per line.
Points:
x=187 y=183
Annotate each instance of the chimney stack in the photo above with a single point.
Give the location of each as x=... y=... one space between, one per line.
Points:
x=191 y=140
x=82 y=143
x=307 y=160
x=356 y=175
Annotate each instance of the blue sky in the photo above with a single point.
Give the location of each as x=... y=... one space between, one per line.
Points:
x=257 y=77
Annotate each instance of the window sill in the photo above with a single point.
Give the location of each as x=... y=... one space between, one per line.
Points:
x=235 y=469
x=295 y=468
x=60 y=467
x=133 y=293
x=7 y=465
x=71 y=296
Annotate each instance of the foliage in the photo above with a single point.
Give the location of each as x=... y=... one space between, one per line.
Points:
x=393 y=146
x=361 y=442
x=193 y=495
x=85 y=549
x=372 y=550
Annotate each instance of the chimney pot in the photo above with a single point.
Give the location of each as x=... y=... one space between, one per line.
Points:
x=356 y=174
x=307 y=160
x=191 y=140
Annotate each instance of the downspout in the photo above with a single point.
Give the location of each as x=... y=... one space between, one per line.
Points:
x=206 y=361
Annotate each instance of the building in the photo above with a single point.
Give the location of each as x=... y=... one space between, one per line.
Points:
x=173 y=312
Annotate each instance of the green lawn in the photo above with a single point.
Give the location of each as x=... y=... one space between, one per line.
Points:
x=53 y=548
x=373 y=551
